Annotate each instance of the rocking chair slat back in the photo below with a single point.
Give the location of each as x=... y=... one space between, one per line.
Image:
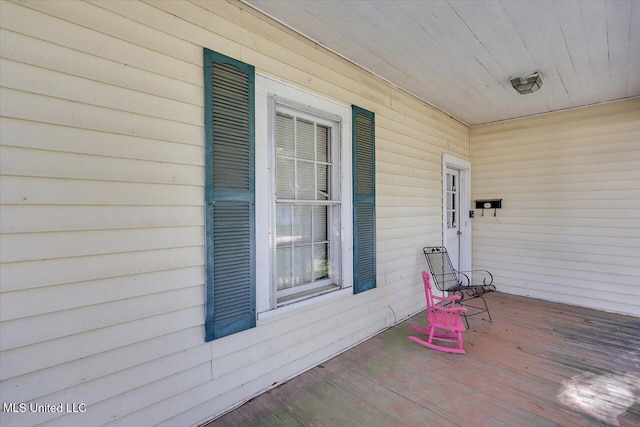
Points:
x=444 y=324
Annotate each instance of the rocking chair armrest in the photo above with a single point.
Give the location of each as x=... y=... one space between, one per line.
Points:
x=453 y=298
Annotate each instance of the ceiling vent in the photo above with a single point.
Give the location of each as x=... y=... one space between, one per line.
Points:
x=528 y=83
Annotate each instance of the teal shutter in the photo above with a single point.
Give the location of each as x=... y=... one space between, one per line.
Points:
x=364 y=200
x=230 y=301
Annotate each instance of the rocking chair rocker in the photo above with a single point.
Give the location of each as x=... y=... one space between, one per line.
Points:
x=448 y=279
x=443 y=323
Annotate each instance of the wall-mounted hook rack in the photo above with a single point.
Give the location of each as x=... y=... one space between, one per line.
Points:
x=494 y=204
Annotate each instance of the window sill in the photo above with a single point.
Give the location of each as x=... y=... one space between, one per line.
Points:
x=311 y=300
x=311 y=293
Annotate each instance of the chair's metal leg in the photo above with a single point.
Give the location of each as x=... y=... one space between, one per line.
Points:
x=487 y=308
x=466 y=321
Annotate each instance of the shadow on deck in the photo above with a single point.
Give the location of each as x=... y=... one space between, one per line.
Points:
x=538 y=363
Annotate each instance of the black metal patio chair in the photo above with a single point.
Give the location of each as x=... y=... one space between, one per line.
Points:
x=448 y=279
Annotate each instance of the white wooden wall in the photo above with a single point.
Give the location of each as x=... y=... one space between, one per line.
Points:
x=102 y=249
x=569 y=229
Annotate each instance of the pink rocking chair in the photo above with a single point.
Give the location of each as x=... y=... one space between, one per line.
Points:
x=446 y=320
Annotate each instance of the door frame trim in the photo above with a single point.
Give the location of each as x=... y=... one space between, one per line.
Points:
x=464 y=166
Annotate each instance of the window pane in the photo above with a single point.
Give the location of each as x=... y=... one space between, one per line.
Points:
x=284 y=178
x=284 y=135
x=306 y=184
x=320 y=261
x=319 y=223
x=302 y=265
x=305 y=143
x=323 y=182
x=322 y=133
x=302 y=224
x=283 y=225
x=283 y=268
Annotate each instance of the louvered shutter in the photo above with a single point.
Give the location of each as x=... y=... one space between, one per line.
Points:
x=229 y=196
x=364 y=200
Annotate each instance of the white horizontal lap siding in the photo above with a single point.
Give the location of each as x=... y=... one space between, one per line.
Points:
x=102 y=190
x=102 y=221
x=568 y=229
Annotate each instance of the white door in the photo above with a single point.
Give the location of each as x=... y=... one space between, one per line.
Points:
x=456 y=223
x=453 y=230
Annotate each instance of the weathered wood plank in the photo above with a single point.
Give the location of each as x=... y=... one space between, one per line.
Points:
x=516 y=372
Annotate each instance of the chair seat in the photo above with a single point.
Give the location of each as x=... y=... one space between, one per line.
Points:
x=450 y=322
x=473 y=291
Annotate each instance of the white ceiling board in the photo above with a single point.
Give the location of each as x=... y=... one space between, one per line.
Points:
x=459 y=55
x=595 y=29
x=618 y=30
x=569 y=18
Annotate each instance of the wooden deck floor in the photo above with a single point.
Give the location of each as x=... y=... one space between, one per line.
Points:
x=537 y=364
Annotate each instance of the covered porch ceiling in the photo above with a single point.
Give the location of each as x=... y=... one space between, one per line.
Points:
x=459 y=55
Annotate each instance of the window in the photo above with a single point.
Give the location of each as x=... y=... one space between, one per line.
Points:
x=289 y=197
x=307 y=201
x=304 y=221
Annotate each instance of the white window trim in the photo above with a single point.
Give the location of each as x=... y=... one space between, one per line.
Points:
x=267 y=88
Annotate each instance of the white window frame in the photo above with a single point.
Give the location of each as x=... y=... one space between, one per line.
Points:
x=332 y=121
x=269 y=92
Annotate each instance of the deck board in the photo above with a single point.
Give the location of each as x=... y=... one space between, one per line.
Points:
x=512 y=374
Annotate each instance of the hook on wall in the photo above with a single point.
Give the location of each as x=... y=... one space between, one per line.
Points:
x=494 y=204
